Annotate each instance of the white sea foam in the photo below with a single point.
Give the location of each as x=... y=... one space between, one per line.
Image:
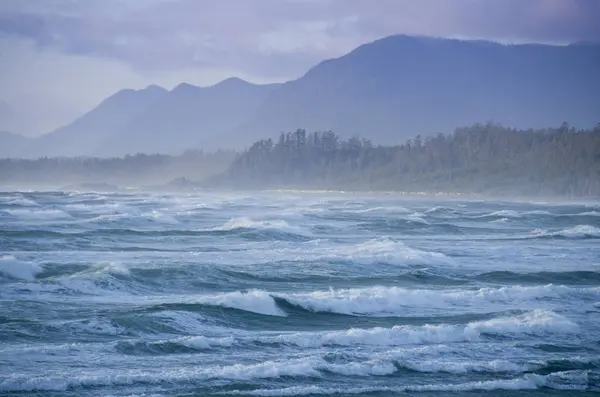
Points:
x=38 y=214
x=160 y=216
x=20 y=201
x=386 y=210
x=256 y=301
x=202 y=342
x=94 y=326
x=537 y=322
x=577 y=381
x=396 y=300
x=247 y=223
x=18 y=269
x=307 y=367
x=194 y=342
x=440 y=209
x=579 y=231
x=514 y=214
x=504 y=214
x=385 y=250
x=183 y=321
x=589 y=213
x=461 y=367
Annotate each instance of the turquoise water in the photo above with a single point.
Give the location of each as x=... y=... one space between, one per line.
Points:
x=286 y=294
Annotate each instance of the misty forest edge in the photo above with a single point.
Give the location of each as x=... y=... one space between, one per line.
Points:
x=482 y=158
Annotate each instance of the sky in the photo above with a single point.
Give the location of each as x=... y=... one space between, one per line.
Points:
x=60 y=58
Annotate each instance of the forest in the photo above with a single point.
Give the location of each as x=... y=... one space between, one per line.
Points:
x=132 y=170
x=482 y=158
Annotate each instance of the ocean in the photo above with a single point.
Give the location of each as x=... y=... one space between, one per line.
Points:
x=297 y=294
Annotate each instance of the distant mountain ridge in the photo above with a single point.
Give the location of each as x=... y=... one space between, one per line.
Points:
x=387 y=90
x=183 y=116
x=399 y=86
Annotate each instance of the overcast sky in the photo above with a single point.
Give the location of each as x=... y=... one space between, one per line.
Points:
x=59 y=58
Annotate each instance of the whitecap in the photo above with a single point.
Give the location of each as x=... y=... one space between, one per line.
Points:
x=18 y=269
x=537 y=322
x=256 y=301
x=380 y=300
x=247 y=223
x=385 y=250
x=579 y=231
x=526 y=382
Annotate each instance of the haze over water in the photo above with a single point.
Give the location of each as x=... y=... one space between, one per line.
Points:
x=286 y=294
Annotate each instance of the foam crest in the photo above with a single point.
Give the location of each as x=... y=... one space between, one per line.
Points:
x=19 y=200
x=526 y=382
x=161 y=217
x=503 y=214
x=440 y=210
x=386 y=210
x=247 y=223
x=537 y=322
x=306 y=367
x=387 y=250
x=456 y=367
x=589 y=213
x=198 y=342
x=13 y=268
x=579 y=231
x=383 y=301
x=38 y=214
x=256 y=301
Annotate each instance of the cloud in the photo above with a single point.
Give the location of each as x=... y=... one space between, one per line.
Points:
x=64 y=56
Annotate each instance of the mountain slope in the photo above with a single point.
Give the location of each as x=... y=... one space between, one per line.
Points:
x=83 y=135
x=401 y=86
x=188 y=116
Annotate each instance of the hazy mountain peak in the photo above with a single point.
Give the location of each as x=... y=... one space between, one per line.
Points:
x=185 y=87
x=155 y=88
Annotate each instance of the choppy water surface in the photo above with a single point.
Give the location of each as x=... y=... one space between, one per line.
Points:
x=296 y=294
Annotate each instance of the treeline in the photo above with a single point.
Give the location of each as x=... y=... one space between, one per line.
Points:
x=482 y=158
x=135 y=170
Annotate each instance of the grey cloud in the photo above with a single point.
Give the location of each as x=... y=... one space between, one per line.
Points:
x=171 y=34
x=263 y=40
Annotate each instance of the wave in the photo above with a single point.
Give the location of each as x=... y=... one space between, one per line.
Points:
x=13 y=268
x=579 y=231
x=19 y=201
x=247 y=223
x=440 y=210
x=255 y=301
x=576 y=277
x=37 y=214
x=537 y=322
x=304 y=367
x=589 y=213
x=515 y=214
x=386 y=210
x=397 y=301
x=175 y=345
x=576 y=381
x=182 y=321
x=386 y=250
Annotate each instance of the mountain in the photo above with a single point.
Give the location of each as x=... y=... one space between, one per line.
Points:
x=12 y=144
x=85 y=134
x=400 y=86
x=188 y=116
x=388 y=90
